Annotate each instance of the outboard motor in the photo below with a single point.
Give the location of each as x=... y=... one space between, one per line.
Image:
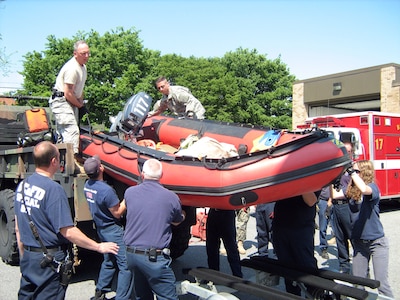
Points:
x=130 y=120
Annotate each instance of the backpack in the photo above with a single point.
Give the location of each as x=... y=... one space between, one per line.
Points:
x=37 y=128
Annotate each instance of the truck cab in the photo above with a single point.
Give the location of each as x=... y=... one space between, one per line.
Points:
x=375 y=136
x=351 y=135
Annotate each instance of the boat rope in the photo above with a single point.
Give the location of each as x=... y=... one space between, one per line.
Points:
x=223 y=164
x=273 y=152
x=139 y=169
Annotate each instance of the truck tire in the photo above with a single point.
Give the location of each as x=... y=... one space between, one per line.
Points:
x=181 y=233
x=8 y=240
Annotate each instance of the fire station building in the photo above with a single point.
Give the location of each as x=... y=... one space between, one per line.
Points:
x=369 y=89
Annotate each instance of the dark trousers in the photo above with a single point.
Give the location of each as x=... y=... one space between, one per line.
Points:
x=40 y=283
x=221 y=225
x=113 y=263
x=152 y=276
x=263 y=217
x=342 y=228
x=323 y=222
x=295 y=247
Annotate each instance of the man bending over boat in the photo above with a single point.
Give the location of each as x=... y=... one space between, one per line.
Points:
x=177 y=99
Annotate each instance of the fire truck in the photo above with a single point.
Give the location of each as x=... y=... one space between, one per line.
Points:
x=375 y=136
x=16 y=163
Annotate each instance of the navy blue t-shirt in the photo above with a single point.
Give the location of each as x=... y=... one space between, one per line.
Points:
x=292 y=212
x=47 y=204
x=101 y=197
x=151 y=209
x=325 y=193
x=365 y=217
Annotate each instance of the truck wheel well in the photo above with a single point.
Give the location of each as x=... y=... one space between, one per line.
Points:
x=8 y=240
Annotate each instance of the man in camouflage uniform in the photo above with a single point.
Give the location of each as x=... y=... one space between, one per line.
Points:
x=178 y=100
x=242 y=218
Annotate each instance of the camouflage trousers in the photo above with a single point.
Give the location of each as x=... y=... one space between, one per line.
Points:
x=66 y=117
x=242 y=217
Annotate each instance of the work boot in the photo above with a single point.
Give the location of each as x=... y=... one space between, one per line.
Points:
x=332 y=241
x=324 y=254
x=79 y=168
x=78 y=157
x=79 y=164
x=241 y=248
x=99 y=295
x=222 y=250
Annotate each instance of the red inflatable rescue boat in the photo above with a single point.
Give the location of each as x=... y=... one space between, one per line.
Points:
x=265 y=166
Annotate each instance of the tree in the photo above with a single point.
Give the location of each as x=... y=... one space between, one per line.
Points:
x=242 y=86
x=258 y=87
x=116 y=69
x=4 y=60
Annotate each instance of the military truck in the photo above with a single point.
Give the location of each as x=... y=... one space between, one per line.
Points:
x=16 y=163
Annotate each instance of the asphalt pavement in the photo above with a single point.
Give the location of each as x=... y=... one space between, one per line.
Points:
x=83 y=283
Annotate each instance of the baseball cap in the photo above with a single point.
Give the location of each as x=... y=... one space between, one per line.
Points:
x=92 y=165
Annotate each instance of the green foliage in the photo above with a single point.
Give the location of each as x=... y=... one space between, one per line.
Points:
x=4 y=59
x=242 y=86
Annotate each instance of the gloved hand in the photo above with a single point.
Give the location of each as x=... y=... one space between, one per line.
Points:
x=82 y=111
x=190 y=114
x=336 y=185
x=350 y=170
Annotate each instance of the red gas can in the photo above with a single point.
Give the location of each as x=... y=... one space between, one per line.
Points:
x=199 y=229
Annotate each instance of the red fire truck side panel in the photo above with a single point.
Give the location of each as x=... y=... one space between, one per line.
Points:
x=380 y=139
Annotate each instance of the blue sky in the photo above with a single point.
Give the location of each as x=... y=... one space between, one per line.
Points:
x=312 y=37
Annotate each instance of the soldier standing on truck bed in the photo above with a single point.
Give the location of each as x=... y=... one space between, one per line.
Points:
x=67 y=97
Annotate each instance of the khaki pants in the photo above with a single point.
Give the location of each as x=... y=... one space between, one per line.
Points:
x=66 y=117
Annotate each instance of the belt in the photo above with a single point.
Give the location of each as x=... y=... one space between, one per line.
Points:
x=58 y=93
x=340 y=201
x=367 y=241
x=49 y=249
x=140 y=251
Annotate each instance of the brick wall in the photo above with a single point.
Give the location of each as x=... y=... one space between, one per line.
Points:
x=299 y=109
x=390 y=93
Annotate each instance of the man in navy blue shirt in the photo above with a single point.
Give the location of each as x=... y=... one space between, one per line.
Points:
x=221 y=225
x=151 y=210
x=46 y=203
x=293 y=229
x=106 y=211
